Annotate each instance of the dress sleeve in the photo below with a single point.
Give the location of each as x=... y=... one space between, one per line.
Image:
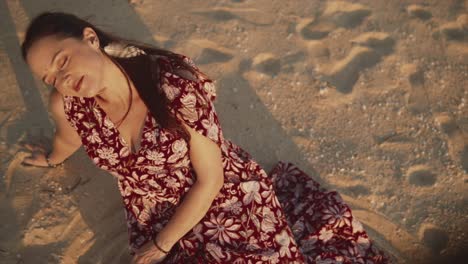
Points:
x=192 y=98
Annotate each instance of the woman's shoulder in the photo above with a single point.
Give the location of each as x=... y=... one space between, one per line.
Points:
x=179 y=65
x=56 y=102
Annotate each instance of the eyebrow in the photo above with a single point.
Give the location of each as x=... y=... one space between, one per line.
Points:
x=53 y=58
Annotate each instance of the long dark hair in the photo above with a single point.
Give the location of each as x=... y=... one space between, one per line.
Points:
x=142 y=70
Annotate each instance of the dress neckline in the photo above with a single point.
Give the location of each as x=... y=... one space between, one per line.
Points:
x=108 y=122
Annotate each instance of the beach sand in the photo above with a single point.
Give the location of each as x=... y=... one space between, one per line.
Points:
x=368 y=97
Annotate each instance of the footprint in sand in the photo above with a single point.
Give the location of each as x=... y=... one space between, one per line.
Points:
x=433 y=237
x=290 y=58
x=269 y=64
x=416 y=98
x=317 y=49
x=455 y=31
x=379 y=41
x=392 y=137
x=309 y=29
x=205 y=51
x=367 y=51
x=287 y=63
x=345 y=14
x=421 y=175
x=356 y=190
x=336 y=14
x=248 y=15
x=418 y=11
x=266 y=63
x=457 y=140
x=217 y=14
x=344 y=73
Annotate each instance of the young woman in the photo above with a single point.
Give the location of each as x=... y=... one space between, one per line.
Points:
x=147 y=116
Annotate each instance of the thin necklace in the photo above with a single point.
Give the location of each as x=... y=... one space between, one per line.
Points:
x=131 y=97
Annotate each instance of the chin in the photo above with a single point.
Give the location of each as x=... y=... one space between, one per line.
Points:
x=87 y=88
x=87 y=94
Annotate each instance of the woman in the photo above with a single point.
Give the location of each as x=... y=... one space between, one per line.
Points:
x=146 y=115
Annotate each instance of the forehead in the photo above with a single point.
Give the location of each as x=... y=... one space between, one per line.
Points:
x=43 y=50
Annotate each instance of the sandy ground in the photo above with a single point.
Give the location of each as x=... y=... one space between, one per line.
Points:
x=369 y=97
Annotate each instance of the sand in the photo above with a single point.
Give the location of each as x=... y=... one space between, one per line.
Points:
x=368 y=97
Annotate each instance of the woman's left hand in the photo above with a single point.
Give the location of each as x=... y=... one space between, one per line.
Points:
x=148 y=254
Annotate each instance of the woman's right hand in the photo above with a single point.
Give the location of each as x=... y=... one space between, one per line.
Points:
x=37 y=155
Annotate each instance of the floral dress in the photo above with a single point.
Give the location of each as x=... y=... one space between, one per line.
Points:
x=281 y=217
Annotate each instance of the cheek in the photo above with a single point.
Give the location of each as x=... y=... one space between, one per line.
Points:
x=92 y=67
x=64 y=91
x=94 y=63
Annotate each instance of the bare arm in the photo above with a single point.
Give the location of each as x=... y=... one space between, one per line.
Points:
x=65 y=141
x=205 y=156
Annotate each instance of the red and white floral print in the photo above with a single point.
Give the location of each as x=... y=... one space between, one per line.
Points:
x=221 y=228
x=232 y=205
x=337 y=216
x=249 y=220
x=108 y=154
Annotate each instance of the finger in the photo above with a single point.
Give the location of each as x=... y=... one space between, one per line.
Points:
x=30 y=161
x=33 y=147
x=33 y=151
x=27 y=164
x=26 y=145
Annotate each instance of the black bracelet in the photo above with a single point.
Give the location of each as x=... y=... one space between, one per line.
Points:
x=156 y=245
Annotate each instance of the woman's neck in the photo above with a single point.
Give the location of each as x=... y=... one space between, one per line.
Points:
x=116 y=90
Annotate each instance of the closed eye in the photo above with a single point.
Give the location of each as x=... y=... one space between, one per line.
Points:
x=61 y=68
x=64 y=62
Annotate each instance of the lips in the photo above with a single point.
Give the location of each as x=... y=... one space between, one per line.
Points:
x=78 y=84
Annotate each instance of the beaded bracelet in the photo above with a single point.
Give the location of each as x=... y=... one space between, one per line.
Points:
x=157 y=246
x=51 y=165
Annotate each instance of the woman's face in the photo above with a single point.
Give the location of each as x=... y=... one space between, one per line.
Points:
x=74 y=67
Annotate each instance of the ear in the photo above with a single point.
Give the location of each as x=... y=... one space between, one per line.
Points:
x=91 y=38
